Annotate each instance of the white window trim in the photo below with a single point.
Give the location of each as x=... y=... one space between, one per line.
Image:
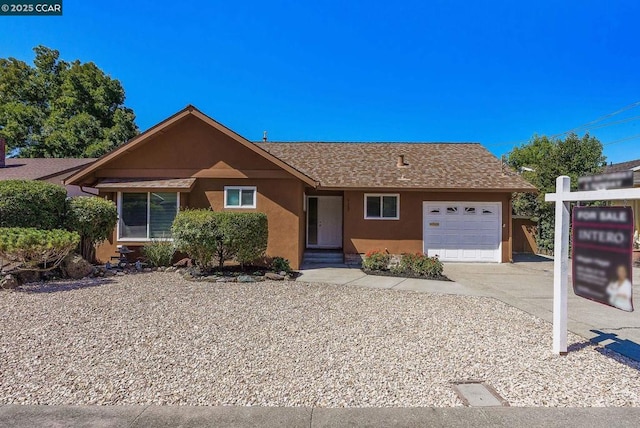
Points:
x=119 y=238
x=241 y=188
x=380 y=195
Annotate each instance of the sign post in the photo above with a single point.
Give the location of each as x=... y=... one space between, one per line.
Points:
x=562 y=197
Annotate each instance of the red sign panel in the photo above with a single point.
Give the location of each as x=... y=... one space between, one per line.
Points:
x=603 y=255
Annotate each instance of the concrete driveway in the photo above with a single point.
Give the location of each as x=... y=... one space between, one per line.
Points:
x=528 y=285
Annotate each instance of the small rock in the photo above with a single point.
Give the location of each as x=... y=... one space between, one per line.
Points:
x=9 y=282
x=161 y=269
x=226 y=279
x=171 y=269
x=109 y=273
x=282 y=273
x=120 y=273
x=147 y=270
x=274 y=276
x=246 y=278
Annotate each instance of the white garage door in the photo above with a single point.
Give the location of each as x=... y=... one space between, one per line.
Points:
x=463 y=231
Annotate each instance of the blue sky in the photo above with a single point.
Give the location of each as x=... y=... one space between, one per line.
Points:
x=494 y=72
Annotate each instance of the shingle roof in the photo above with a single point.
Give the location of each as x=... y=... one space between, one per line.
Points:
x=446 y=166
x=623 y=166
x=39 y=168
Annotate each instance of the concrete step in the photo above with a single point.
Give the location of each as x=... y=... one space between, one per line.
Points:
x=319 y=257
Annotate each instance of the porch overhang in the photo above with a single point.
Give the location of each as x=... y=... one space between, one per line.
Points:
x=146 y=184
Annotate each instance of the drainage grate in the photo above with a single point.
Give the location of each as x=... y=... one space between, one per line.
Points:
x=476 y=393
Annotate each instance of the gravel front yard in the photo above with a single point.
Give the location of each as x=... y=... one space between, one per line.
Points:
x=157 y=339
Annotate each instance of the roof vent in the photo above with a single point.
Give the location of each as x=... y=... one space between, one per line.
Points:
x=264 y=136
x=401 y=162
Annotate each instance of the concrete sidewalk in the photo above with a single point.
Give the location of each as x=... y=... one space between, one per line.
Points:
x=186 y=416
x=527 y=285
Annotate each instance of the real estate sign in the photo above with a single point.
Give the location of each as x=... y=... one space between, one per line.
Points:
x=603 y=255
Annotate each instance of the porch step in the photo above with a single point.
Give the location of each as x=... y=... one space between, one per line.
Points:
x=323 y=257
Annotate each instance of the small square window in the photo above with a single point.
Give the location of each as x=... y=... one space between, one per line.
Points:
x=469 y=210
x=239 y=197
x=452 y=210
x=384 y=207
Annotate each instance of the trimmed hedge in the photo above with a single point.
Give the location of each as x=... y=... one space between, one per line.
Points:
x=28 y=203
x=94 y=219
x=205 y=235
x=36 y=249
x=195 y=233
x=421 y=264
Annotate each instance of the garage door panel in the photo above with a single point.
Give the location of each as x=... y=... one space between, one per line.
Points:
x=462 y=231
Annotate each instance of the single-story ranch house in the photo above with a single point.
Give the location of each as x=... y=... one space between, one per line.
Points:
x=450 y=200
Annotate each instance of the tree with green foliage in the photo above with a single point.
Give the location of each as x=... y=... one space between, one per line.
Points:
x=60 y=109
x=94 y=219
x=549 y=158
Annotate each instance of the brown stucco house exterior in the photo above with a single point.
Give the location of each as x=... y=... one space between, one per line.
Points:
x=451 y=200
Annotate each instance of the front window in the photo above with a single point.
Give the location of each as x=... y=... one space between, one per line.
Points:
x=145 y=216
x=382 y=206
x=239 y=197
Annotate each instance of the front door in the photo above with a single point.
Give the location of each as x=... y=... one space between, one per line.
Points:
x=324 y=222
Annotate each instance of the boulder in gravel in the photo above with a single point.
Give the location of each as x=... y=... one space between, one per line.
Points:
x=8 y=282
x=171 y=269
x=274 y=276
x=226 y=279
x=76 y=267
x=246 y=278
x=186 y=262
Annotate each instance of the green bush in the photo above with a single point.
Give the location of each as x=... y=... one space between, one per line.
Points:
x=421 y=264
x=94 y=219
x=35 y=249
x=204 y=235
x=159 y=252
x=246 y=235
x=280 y=264
x=376 y=260
x=196 y=233
x=27 y=203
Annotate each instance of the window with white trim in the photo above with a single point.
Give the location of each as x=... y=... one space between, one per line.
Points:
x=145 y=216
x=240 y=196
x=381 y=206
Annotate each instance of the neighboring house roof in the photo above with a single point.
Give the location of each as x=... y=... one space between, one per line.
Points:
x=633 y=165
x=623 y=166
x=446 y=166
x=40 y=168
x=167 y=123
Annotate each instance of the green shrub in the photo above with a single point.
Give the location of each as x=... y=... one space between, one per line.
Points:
x=246 y=235
x=196 y=233
x=280 y=264
x=421 y=264
x=94 y=219
x=204 y=235
x=35 y=249
x=159 y=252
x=376 y=260
x=27 y=203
